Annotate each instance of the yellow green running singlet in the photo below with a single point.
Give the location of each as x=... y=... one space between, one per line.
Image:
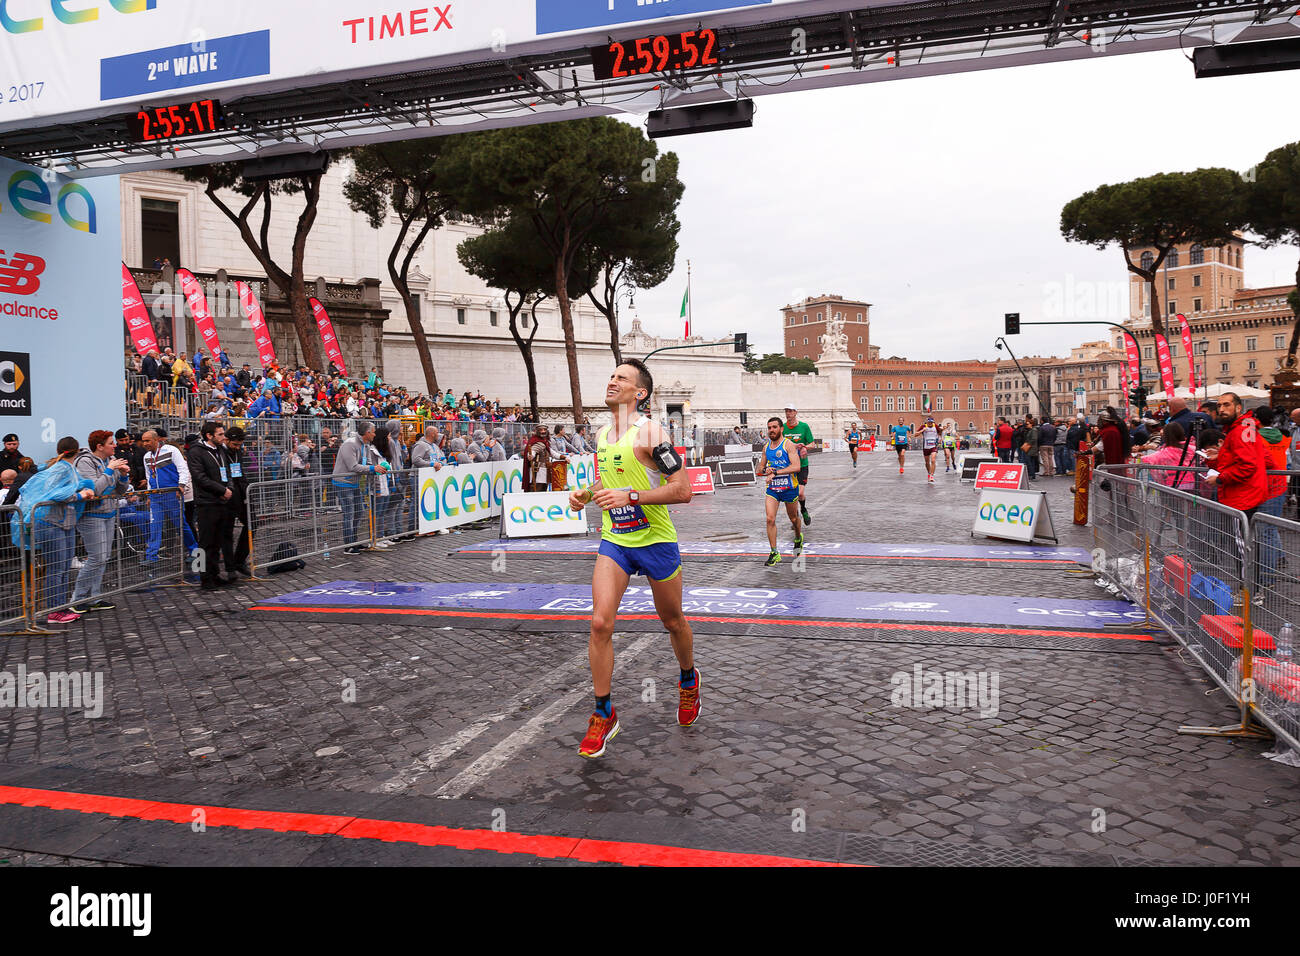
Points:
x=633 y=526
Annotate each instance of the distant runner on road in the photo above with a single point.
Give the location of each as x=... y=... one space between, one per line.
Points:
x=852 y=435
x=803 y=437
x=780 y=468
x=929 y=447
x=949 y=450
x=899 y=434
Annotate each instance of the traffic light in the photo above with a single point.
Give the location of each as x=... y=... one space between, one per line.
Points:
x=742 y=341
x=1013 y=323
x=1137 y=396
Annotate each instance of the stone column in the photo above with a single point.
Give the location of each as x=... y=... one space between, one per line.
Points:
x=837 y=371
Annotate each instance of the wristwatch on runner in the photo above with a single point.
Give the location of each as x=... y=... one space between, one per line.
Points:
x=633 y=497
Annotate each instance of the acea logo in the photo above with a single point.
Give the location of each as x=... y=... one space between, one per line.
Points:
x=452 y=492
x=13 y=20
x=537 y=514
x=30 y=197
x=1002 y=514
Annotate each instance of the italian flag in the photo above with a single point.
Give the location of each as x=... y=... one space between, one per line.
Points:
x=686 y=318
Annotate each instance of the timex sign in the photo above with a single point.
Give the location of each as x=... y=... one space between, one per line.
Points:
x=15 y=383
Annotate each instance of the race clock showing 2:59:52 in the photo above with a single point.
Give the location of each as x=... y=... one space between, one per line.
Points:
x=655 y=54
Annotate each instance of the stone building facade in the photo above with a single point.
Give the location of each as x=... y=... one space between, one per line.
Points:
x=1094 y=367
x=1023 y=390
x=955 y=393
x=1239 y=334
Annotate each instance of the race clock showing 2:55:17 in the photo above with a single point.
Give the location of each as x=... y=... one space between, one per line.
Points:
x=655 y=54
x=173 y=122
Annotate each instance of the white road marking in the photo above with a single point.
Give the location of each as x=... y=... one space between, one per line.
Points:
x=502 y=753
x=429 y=761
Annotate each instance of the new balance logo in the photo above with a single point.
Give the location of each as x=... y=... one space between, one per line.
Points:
x=20 y=274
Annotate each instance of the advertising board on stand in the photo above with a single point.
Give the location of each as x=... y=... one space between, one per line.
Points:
x=736 y=471
x=540 y=514
x=701 y=480
x=1013 y=515
x=969 y=464
x=1004 y=477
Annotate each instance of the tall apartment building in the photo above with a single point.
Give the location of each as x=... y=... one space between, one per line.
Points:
x=804 y=325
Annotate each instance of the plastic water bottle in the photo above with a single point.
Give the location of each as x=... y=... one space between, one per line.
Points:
x=1285 y=642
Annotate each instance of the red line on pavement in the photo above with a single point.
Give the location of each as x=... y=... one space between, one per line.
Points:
x=799 y=622
x=392 y=831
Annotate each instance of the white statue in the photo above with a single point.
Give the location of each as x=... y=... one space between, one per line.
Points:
x=835 y=341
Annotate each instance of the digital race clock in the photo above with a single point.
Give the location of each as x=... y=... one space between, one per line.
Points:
x=173 y=122
x=655 y=54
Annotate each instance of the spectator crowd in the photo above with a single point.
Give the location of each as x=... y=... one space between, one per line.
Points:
x=216 y=388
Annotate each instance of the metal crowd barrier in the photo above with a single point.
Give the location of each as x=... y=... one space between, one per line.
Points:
x=13 y=571
x=1222 y=585
x=1276 y=615
x=69 y=560
x=302 y=517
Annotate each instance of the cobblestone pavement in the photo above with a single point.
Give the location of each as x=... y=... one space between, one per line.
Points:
x=798 y=752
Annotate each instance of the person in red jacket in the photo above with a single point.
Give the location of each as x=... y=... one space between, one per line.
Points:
x=1002 y=440
x=1242 y=463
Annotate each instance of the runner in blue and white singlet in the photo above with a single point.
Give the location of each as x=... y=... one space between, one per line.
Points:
x=781 y=469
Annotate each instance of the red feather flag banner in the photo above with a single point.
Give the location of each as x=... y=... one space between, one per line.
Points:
x=1166 y=365
x=261 y=334
x=136 y=315
x=1123 y=384
x=1191 y=356
x=1133 y=362
x=198 y=304
x=327 y=337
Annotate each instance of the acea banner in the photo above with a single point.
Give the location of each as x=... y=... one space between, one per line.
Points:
x=60 y=289
x=458 y=494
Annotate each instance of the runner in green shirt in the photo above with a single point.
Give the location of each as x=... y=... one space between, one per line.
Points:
x=803 y=437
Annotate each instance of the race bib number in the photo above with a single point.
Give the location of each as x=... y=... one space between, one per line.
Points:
x=627 y=519
x=780 y=483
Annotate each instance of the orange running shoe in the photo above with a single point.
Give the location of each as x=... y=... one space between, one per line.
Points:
x=600 y=731
x=688 y=702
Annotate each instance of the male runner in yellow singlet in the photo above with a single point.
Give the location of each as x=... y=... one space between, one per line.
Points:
x=637 y=537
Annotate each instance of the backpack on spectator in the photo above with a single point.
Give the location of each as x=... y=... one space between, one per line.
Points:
x=280 y=562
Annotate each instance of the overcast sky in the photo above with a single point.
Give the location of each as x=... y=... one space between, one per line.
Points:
x=938 y=200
